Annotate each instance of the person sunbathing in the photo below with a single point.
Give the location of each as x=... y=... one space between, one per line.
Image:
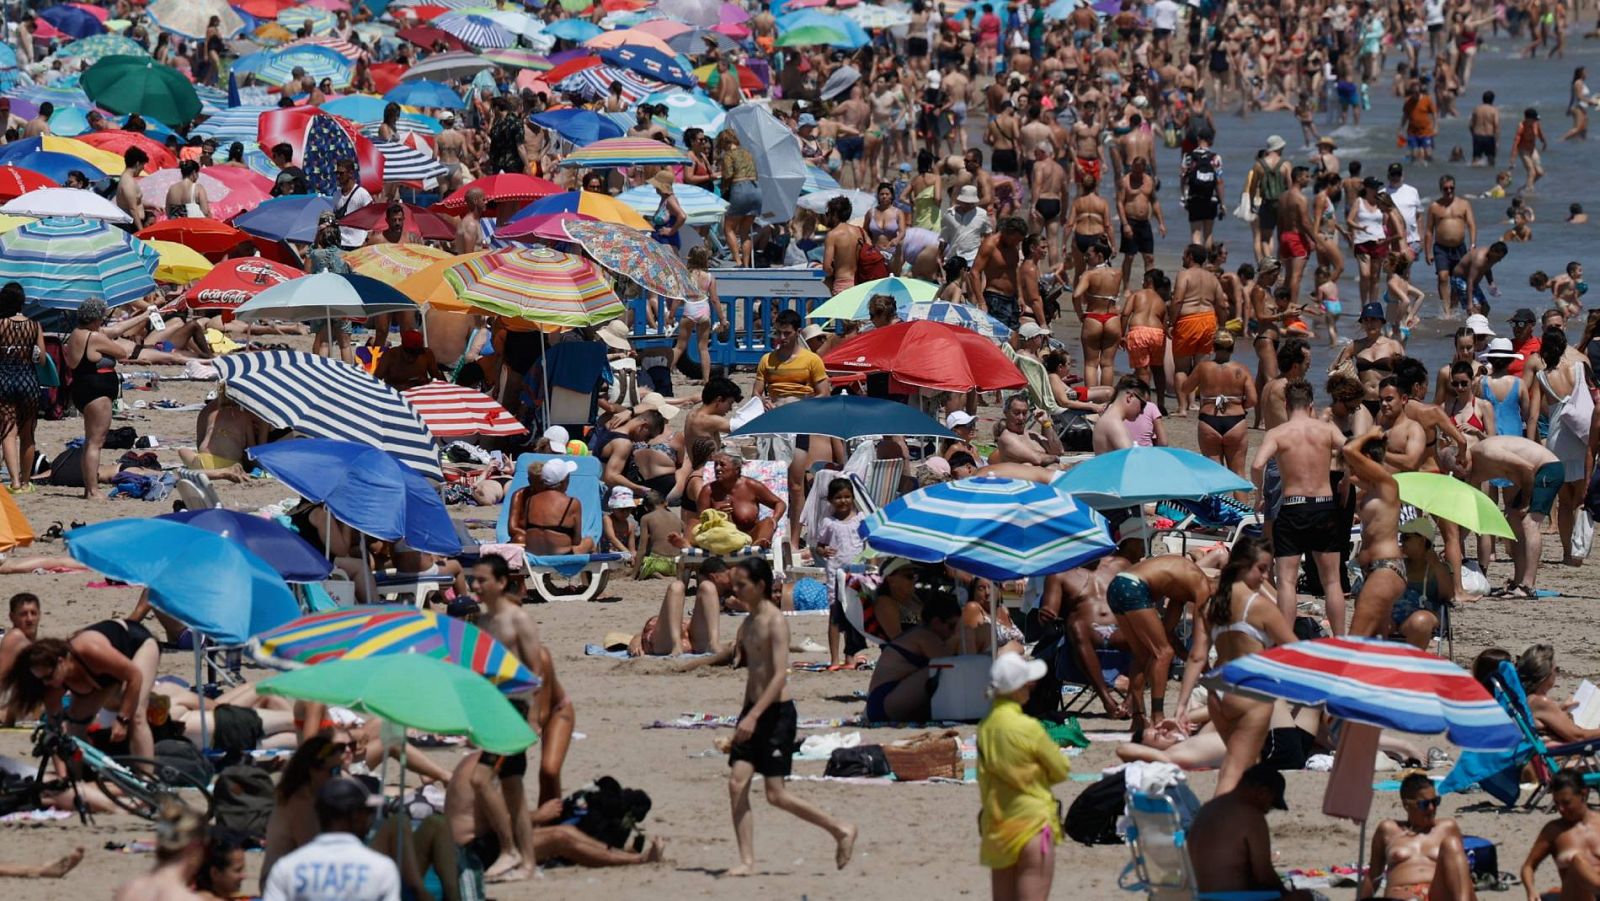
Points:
x=742 y=498
x=1075 y=601
x=55 y=869
x=544 y=518
x=224 y=434
x=1572 y=838
x=900 y=690
x=698 y=633
x=236 y=722
x=1536 y=670
x=1422 y=855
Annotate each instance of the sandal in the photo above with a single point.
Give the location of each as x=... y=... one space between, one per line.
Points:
x=1519 y=593
x=52 y=532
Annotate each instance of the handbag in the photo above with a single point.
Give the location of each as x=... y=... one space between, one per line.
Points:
x=45 y=372
x=1578 y=408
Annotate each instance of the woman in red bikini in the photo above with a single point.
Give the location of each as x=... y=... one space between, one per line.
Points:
x=1095 y=300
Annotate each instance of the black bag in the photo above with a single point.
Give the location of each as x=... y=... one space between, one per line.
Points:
x=182 y=756
x=244 y=797
x=1092 y=818
x=66 y=470
x=609 y=813
x=863 y=760
x=1044 y=703
x=1483 y=861
x=121 y=438
x=1075 y=432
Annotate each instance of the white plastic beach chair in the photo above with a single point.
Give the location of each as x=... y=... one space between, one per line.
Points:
x=775 y=475
x=1158 y=843
x=195 y=490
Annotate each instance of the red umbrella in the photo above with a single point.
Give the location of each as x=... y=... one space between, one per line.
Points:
x=427 y=12
x=296 y=126
x=453 y=410
x=16 y=182
x=570 y=67
x=118 y=141
x=507 y=186
x=748 y=79
x=425 y=36
x=206 y=236
x=429 y=225
x=265 y=9
x=547 y=226
x=386 y=75
x=928 y=355
x=235 y=281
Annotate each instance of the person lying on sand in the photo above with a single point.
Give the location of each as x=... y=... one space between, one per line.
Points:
x=697 y=634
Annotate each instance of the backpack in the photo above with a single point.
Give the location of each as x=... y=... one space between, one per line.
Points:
x=181 y=756
x=609 y=813
x=1092 y=818
x=864 y=760
x=243 y=799
x=870 y=264
x=1200 y=182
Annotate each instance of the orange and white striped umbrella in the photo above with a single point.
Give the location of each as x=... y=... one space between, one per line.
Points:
x=453 y=411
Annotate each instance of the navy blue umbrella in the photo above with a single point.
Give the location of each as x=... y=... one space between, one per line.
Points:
x=650 y=63
x=289 y=218
x=282 y=549
x=51 y=164
x=365 y=488
x=72 y=20
x=580 y=126
x=844 y=416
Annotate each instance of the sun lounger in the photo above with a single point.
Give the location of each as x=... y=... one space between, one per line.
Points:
x=773 y=474
x=585 y=574
x=393 y=585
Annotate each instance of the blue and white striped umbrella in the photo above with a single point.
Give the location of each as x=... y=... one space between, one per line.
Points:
x=701 y=206
x=962 y=315
x=995 y=528
x=686 y=109
x=325 y=398
x=402 y=163
x=594 y=83
x=477 y=31
x=322 y=21
x=61 y=262
x=241 y=123
x=818 y=180
x=1143 y=475
x=318 y=62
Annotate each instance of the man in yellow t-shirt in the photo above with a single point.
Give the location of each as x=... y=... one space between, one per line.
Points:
x=791 y=371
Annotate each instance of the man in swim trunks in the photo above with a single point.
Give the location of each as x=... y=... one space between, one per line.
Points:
x=840 y=246
x=1198 y=304
x=1048 y=183
x=1468 y=276
x=993 y=276
x=1535 y=474
x=1295 y=236
x=1135 y=596
x=1448 y=232
x=1136 y=206
x=1086 y=143
x=1145 y=315
x=1076 y=601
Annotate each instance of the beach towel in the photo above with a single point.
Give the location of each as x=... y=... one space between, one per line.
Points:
x=1496 y=772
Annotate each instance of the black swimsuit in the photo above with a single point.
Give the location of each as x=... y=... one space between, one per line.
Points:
x=126 y=636
x=94 y=379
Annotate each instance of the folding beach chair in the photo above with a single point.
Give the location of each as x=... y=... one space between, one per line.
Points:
x=195 y=490
x=584 y=487
x=1069 y=670
x=775 y=475
x=1544 y=759
x=1159 y=846
x=1212 y=520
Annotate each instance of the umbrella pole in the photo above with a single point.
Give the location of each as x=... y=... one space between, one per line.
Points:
x=366 y=570
x=1361 y=850
x=544 y=374
x=199 y=688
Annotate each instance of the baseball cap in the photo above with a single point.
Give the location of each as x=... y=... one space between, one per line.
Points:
x=345 y=796
x=1032 y=330
x=1501 y=347
x=1010 y=672
x=654 y=401
x=1276 y=142
x=1523 y=314
x=1371 y=182
x=1263 y=776
x=411 y=339
x=557 y=435
x=958 y=419
x=905 y=167
x=554 y=472
x=805 y=119
x=1396 y=170
x=1372 y=310
x=1479 y=324
x=1420 y=525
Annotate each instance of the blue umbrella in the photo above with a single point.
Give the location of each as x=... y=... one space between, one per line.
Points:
x=423 y=92
x=689 y=109
x=572 y=29
x=8 y=57
x=72 y=20
x=213 y=585
x=580 y=126
x=844 y=416
x=817 y=180
x=995 y=528
x=55 y=165
x=365 y=488
x=289 y=218
x=1141 y=475
x=318 y=62
x=69 y=122
x=280 y=548
x=855 y=34
x=649 y=62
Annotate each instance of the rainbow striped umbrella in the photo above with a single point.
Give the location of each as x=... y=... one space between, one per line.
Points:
x=61 y=262
x=537 y=284
x=380 y=630
x=613 y=152
x=519 y=58
x=393 y=263
x=1380 y=683
x=620 y=249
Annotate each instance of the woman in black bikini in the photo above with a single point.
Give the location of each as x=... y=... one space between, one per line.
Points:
x=1374 y=354
x=92 y=354
x=1227 y=394
x=544 y=519
x=110 y=665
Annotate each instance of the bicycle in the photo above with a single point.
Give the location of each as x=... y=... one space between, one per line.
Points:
x=138 y=785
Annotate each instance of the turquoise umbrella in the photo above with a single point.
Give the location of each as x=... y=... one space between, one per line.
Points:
x=1141 y=475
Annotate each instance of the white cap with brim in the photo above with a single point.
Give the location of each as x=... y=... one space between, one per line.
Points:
x=959 y=418
x=558 y=436
x=1500 y=348
x=1479 y=324
x=554 y=472
x=1011 y=672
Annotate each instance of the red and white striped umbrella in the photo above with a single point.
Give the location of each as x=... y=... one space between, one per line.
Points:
x=453 y=411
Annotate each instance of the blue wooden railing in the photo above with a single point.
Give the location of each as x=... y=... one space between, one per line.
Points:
x=750 y=298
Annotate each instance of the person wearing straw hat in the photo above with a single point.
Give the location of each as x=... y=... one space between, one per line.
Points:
x=669 y=216
x=1018 y=762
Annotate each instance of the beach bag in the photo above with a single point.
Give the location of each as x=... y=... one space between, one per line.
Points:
x=715 y=533
x=609 y=813
x=243 y=798
x=926 y=756
x=1582 y=534
x=870 y=264
x=1483 y=862
x=180 y=755
x=862 y=761
x=1092 y=817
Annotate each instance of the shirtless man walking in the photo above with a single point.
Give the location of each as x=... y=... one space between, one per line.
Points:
x=840 y=246
x=469 y=228
x=1048 y=182
x=1198 y=304
x=1296 y=238
x=1298 y=502
x=1448 y=232
x=1484 y=126
x=1003 y=134
x=1086 y=147
x=1136 y=207
x=1133 y=596
x=994 y=271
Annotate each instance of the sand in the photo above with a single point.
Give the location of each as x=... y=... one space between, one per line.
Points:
x=916 y=840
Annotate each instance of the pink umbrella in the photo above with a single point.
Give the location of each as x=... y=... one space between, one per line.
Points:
x=732 y=14
x=629 y=37
x=329 y=5
x=733 y=30
x=547 y=227
x=231 y=189
x=665 y=29
x=530 y=80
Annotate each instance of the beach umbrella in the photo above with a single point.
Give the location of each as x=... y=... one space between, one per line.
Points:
x=518 y=58
x=576 y=30
x=928 y=355
x=232 y=282
x=281 y=548
x=877 y=18
x=851 y=303
x=624 y=37
x=69 y=122
x=702 y=207
x=188 y=18
x=230 y=190
x=612 y=153
x=72 y=21
x=454 y=411
x=317 y=62
x=292 y=217
x=423 y=224
x=263 y=9
x=476 y=30
x=686 y=109
x=844 y=416
x=178 y=265
x=544 y=227
x=15 y=182
x=425 y=93
x=208 y=236
x=416 y=692
x=569 y=62
x=426 y=36
x=447 y=67
x=61 y=262
x=23 y=153
x=995 y=528
x=840 y=81
x=814 y=36
x=394 y=263
x=860 y=201
x=403 y=164
x=118 y=141
x=380 y=630
x=138 y=84
x=843 y=33
x=665 y=29
x=320 y=20
x=695 y=12
x=506 y=187
x=777 y=154
x=51 y=165
x=241 y=123
x=14 y=528
x=347 y=51
x=326 y=398
x=749 y=81
x=91 y=49
x=579 y=126
x=536 y=284
x=319 y=140
x=694 y=42
x=11 y=223
x=963 y=315
x=325 y=295
x=427 y=285
x=1449 y=499
x=618 y=248
x=649 y=62
x=8 y=58
x=595 y=82
x=1142 y=475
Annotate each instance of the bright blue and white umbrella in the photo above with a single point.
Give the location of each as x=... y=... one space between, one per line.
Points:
x=995 y=528
x=690 y=110
x=317 y=62
x=817 y=179
x=407 y=164
x=323 y=397
x=576 y=30
x=322 y=21
x=425 y=93
x=874 y=17
x=240 y=123
x=62 y=262
x=476 y=31
x=1142 y=475
x=649 y=62
x=594 y=83
x=580 y=126
x=701 y=206
x=962 y=315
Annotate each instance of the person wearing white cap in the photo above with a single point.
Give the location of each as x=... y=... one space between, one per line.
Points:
x=1268 y=179
x=965 y=425
x=964 y=225
x=544 y=519
x=1018 y=762
x=1428 y=584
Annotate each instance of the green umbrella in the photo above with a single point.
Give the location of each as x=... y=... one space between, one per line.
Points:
x=1454 y=500
x=851 y=303
x=812 y=35
x=413 y=691
x=139 y=84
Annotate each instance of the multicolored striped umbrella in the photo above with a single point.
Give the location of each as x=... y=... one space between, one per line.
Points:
x=518 y=58
x=452 y=411
x=995 y=528
x=394 y=263
x=1381 y=683
x=613 y=152
x=318 y=62
x=380 y=630
x=851 y=303
x=536 y=284
x=91 y=49
x=622 y=250
x=593 y=204
x=701 y=206
x=962 y=315
x=322 y=21
x=62 y=262
x=477 y=31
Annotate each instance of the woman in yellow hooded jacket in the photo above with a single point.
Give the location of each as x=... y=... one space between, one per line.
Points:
x=1017 y=764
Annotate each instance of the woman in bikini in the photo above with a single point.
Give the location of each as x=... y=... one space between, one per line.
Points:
x=1422 y=854
x=886 y=225
x=1262 y=323
x=1095 y=300
x=1086 y=221
x=1325 y=219
x=1465 y=351
x=1227 y=394
x=697 y=317
x=1471 y=413
x=1378 y=508
x=1373 y=355
x=109 y=665
x=543 y=518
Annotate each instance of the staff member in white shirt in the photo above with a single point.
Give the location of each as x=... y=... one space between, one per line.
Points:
x=336 y=866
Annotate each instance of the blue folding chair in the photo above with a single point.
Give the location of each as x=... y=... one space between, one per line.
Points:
x=584 y=487
x=1160 y=850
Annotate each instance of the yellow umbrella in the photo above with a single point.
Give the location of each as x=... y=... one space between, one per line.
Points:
x=7 y=223
x=273 y=33
x=104 y=160
x=427 y=286
x=14 y=528
x=394 y=263
x=179 y=265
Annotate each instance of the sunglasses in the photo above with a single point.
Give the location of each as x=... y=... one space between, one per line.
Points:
x=1426 y=803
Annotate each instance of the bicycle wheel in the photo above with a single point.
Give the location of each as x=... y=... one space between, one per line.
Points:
x=129 y=787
